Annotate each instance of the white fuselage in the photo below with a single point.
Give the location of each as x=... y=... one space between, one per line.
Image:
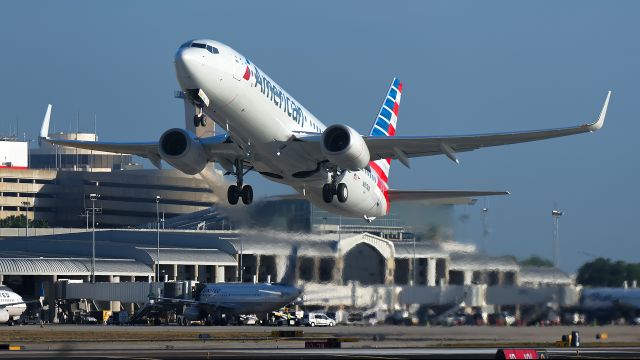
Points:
x=260 y=116
x=10 y=297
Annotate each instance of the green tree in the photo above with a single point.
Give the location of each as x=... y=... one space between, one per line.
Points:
x=535 y=260
x=21 y=221
x=606 y=273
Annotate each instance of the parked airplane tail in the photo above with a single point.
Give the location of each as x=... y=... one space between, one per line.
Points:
x=384 y=126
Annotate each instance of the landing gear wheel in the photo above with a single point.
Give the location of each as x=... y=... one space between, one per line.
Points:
x=342 y=192
x=247 y=194
x=233 y=194
x=327 y=193
x=199 y=120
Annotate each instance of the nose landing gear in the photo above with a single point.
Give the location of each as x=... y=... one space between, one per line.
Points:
x=199 y=119
x=235 y=192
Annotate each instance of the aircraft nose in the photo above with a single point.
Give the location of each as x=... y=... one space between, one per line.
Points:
x=188 y=62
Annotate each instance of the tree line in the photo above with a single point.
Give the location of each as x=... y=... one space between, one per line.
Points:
x=603 y=272
x=21 y=222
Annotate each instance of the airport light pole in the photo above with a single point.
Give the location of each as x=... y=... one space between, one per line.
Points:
x=26 y=205
x=158 y=242
x=93 y=198
x=241 y=267
x=485 y=226
x=413 y=266
x=555 y=214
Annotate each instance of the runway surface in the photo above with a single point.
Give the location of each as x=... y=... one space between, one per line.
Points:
x=378 y=342
x=372 y=353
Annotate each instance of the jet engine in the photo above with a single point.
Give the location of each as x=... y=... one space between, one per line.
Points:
x=192 y=313
x=345 y=147
x=4 y=316
x=183 y=151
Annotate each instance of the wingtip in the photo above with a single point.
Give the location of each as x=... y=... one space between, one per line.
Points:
x=603 y=113
x=44 y=130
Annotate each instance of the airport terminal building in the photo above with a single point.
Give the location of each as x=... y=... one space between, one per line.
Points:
x=328 y=267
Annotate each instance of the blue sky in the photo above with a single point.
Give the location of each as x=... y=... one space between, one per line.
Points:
x=467 y=67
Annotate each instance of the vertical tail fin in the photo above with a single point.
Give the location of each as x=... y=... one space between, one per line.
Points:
x=385 y=125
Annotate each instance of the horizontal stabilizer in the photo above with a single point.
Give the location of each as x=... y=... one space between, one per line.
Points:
x=441 y=196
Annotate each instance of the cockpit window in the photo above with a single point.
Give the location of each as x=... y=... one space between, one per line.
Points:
x=209 y=48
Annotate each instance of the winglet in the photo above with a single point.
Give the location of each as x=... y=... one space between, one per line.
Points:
x=598 y=124
x=44 y=130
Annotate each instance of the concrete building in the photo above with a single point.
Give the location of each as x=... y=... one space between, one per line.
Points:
x=127 y=197
x=13 y=153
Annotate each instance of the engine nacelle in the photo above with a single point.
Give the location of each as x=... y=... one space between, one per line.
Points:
x=192 y=313
x=180 y=148
x=345 y=147
x=4 y=316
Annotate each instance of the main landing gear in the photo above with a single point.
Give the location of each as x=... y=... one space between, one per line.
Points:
x=235 y=192
x=199 y=119
x=329 y=190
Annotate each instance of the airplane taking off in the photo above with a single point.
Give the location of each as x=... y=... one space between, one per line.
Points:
x=268 y=131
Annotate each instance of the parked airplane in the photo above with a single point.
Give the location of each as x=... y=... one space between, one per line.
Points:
x=268 y=131
x=235 y=299
x=605 y=298
x=11 y=306
x=610 y=304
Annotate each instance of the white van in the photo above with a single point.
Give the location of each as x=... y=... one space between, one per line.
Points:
x=317 y=319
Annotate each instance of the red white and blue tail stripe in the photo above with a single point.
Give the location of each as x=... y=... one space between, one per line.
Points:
x=385 y=125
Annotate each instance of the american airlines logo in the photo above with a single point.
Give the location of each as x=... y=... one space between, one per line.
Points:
x=277 y=95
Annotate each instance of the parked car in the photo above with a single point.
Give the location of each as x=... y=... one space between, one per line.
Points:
x=250 y=319
x=87 y=319
x=317 y=319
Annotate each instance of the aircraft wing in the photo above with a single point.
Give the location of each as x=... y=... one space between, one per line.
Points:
x=404 y=147
x=440 y=196
x=144 y=149
x=2 y=306
x=165 y=300
x=175 y=301
x=217 y=147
